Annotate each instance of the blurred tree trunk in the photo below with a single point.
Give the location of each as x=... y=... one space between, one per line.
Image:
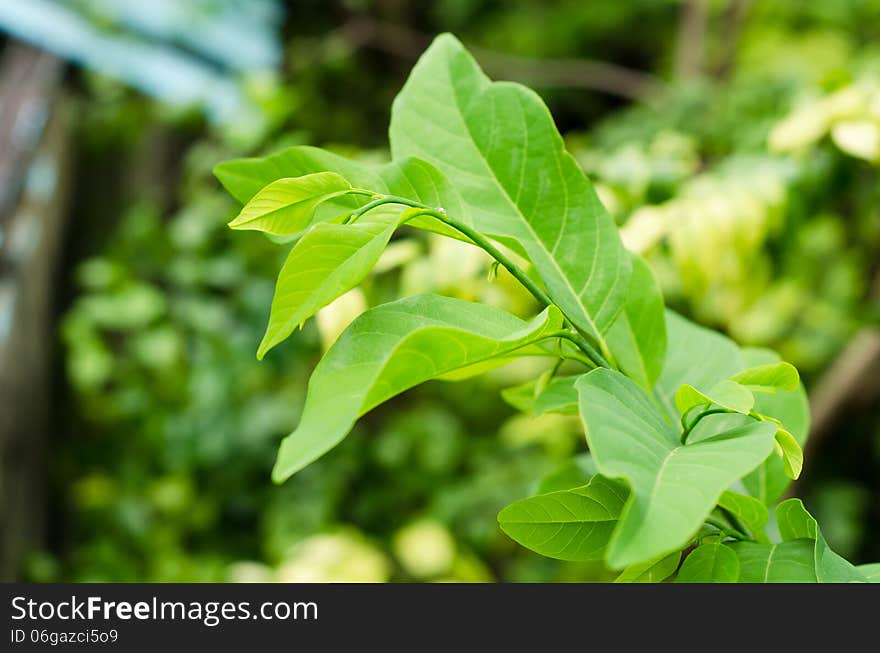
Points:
x=690 y=51
x=33 y=173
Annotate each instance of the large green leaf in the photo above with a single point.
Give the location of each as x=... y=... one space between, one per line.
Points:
x=407 y=177
x=286 y=207
x=651 y=571
x=709 y=563
x=795 y=523
x=638 y=336
x=391 y=348
x=784 y=562
x=327 y=262
x=497 y=143
x=770 y=480
x=748 y=510
x=673 y=486
x=570 y=524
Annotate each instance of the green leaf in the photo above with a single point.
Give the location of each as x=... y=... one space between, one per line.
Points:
x=871 y=572
x=748 y=510
x=574 y=473
x=769 y=481
x=795 y=523
x=652 y=571
x=703 y=358
x=327 y=262
x=497 y=143
x=391 y=348
x=791 y=452
x=785 y=562
x=407 y=177
x=558 y=396
x=569 y=524
x=674 y=486
x=709 y=563
x=637 y=338
x=727 y=394
x=769 y=378
x=287 y=207
x=696 y=356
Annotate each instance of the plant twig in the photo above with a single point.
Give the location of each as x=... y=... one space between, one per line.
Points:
x=400 y=41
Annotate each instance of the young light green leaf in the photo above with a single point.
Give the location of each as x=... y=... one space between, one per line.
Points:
x=748 y=510
x=871 y=572
x=408 y=177
x=727 y=394
x=795 y=523
x=558 y=396
x=769 y=481
x=784 y=562
x=637 y=338
x=651 y=571
x=696 y=356
x=791 y=452
x=574 y=473
x=769 y=378
x=327 y=262
x=391 y=348
x=497 y=143
x=673 y=486
x=286 y=207
x=709 y=563
x=569 y=524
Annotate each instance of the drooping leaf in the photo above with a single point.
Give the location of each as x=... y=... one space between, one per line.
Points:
x=795 y=523
x=637 y=338
x=392 y=348
x=673 y=486
x=574 y=473
x=568 y=524
x=748 y=510
x=696 y=356
x=407 y=177
x=769 y=481
x=651 y=571
x=727 y=394
x=769 y=378
x=709 y=563
x=558 y=396
x=497 y=143
x=791 y=452
x=327 y=262
x=286 y=207
x=783 y=562
x=871 y=572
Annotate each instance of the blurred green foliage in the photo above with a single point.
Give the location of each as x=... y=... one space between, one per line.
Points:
x=750 y=184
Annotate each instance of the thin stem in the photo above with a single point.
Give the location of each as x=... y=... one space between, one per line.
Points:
x=597 y=359
x=705 y=413
x=572 y=338
x=726 y=529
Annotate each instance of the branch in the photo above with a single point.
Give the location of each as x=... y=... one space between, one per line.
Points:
x=691 y=46
x=406 y=43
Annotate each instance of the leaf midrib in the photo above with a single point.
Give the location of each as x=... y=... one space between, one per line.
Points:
x=486 y=83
